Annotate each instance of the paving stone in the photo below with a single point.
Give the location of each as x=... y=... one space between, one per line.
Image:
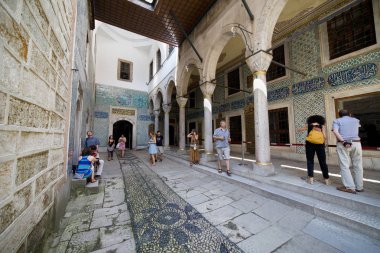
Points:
x=114 y=235
x=83 y=241
x=272 y=210
x=241 y=193
x=101 y=222
x=109 y=210
x=306 y=244
x=233 y=232
x=126 y=246
x=197 y=199
x=114 y=198
x=251 y=222
x=122 y=219
x=266 y=241
x=295 y=220
x=245 y=205
x=222 y=214
x=213 y=204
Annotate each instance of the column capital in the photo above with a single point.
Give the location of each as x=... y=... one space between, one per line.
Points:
x=166 y=108
x=259 y=63
x=208 y=89
x=182 y=101
x=156 y=113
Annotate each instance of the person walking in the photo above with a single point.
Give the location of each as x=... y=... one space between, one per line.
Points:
x=152 y=148
x=160 y=148
x=349 y=148
x=91 y=140
x=110 y=147
x=222 y=138
x=194 y=148
x=315 y=143
x=122 y=141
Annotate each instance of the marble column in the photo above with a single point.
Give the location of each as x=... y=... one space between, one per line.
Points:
x=182 y=120
x=167 y=109
x=156 y=120
x=259 y=64
x=207 y=90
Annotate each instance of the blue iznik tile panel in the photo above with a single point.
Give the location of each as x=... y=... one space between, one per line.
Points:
x=107 y=96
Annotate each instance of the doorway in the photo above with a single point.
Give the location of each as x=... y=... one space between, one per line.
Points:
x=172 y=141
x=123 y=127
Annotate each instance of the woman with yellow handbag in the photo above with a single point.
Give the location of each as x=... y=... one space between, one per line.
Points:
x=315 y=143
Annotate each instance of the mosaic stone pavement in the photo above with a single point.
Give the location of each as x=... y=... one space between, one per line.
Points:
x=161 y=220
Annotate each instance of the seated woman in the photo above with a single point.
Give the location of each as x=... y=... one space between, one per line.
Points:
x=86 y=166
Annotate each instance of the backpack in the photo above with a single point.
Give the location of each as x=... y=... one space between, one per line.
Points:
x=315 y=137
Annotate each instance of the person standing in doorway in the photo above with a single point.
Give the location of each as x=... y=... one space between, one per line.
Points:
x=91 y=140
x=122 y=141
x=160 y=148
x=194 y=148
x=222 y=138
x=315 y=143
x=110 y=147
x=152 y=148
x=349 y=149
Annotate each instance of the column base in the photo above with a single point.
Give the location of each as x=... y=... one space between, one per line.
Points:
x=208 y=157
x=263 y=169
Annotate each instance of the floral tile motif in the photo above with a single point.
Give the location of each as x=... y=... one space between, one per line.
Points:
x=161 y=220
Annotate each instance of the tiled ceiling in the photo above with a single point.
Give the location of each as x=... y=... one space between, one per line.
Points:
x=158 y=23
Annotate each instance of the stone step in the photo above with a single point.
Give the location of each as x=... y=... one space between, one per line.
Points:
x=361 y=222
x=329 y=194
x=80 y=186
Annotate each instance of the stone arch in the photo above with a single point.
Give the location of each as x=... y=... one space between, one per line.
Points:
x=169 y=90
x=219 y=42
x=151 y=105
x=265 y=22
x=185 y=75
x=159 y=98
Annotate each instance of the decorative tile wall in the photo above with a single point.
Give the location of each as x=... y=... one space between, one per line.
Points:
x=107 y=96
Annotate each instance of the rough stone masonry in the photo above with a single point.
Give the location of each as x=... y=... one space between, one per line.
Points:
x=35 y=62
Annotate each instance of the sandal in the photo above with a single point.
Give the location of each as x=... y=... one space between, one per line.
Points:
x=344 y=189
x=229 y=173
x=93 y=181
x=220 y=170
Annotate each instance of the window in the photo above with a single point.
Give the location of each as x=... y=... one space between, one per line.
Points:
x=151 y=71
x=125 y=70
x=366 y=108
x=275 y=71
x=235 y=129
x=279 y=125
x=158 y=56
x=351 y=30
x=192 y=100
x=233 y=80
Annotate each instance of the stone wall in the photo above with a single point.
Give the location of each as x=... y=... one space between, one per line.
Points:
x=35 y=69
x=107 y=96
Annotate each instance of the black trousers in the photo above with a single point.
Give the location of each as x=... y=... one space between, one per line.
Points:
x=311 y=149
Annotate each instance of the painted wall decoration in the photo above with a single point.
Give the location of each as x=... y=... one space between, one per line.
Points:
x=278 y=94
x=352 y=75
x=101 y=115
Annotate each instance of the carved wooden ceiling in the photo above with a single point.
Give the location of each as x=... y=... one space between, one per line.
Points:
x=154 y=20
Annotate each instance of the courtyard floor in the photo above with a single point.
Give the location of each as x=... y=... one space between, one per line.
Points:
x=173 y=208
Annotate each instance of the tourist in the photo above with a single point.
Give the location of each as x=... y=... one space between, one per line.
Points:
x=85 y=169
x=110 y=147
x=349 y=148
x=222 y=138
x=194 y=148
x=121 y=144
x=160 y=148
x=315 y=143
x=91 y=140
x=152 y=148
x=99 y=162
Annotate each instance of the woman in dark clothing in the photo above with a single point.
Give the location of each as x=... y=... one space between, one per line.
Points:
x=317 y=124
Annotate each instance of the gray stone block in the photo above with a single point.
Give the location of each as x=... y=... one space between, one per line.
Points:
x=222 y=215
x=272 y=210
x=251 y=222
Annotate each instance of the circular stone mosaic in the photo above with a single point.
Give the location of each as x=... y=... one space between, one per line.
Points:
x=161 y=220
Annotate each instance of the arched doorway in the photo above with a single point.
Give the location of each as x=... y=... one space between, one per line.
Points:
x=123 y=127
